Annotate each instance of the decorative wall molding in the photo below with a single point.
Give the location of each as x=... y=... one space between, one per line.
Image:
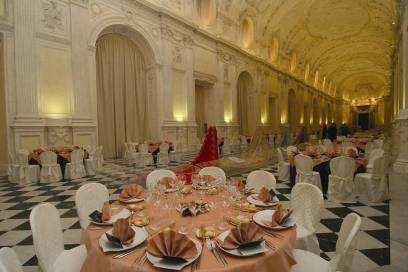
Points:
x=59 y=136
x=54 y=17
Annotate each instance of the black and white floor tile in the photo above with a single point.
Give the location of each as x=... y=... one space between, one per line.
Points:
x=17 y=201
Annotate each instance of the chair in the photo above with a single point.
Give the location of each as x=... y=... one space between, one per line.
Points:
x=226 y=148
x=341 y=180
x=379 y=143
x=48 y=241
x=304 y=171
x=375 y=153
x=244 y=142
x=76 y=168
x=260 y=178
x=163 y=156
x=90 y=163
x=369 y=147
x=373 y=187
x=307 y=203
x=343 y=258
x=216 y=172
x=50 y=169
x=146 y=157
x=328 y=144
x=9 y=261
x=20 y=171
x=176 y=154
x=283 y=167
x=291 y=150
x=155 y=176
x=134 y=155
x=98 y=157
x=88 y=198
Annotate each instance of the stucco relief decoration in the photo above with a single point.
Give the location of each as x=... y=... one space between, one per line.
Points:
x=176 y=36
x=177 y=55
x=59 y=136
x=52 y=16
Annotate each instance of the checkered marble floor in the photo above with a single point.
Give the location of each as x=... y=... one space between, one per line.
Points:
x=16 y=203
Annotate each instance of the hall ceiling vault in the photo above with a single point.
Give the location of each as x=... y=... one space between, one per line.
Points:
x=350 y=42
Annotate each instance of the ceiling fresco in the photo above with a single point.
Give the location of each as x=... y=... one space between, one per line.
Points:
x=350 y=42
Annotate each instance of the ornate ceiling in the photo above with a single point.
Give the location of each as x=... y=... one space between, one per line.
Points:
x=350 y=42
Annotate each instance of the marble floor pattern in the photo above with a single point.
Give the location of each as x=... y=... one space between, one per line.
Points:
x=373 y=248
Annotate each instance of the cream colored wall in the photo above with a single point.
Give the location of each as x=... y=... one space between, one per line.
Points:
x=3 y=116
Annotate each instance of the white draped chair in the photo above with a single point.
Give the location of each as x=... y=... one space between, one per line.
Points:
x=307 y=203
x=374 y=154
x=126 y=153
x=236 y=144
x=283 y=166
x=369 y=147
x=244 y=142
x=328 y=144
x=226 y=148
x=322 y=148
x=75 y=169
x=343 y=257
x=90 y=163
x=9 y=261
x=50 y=169
x=49 y=244
x=98 y=157
x=215 y=172
x=88 y=198
x=304 y=171
x=134 y=155
x=341 y=180
x=379 y=143
x=156 y=175
x=145 y=156
x=163 y=155
x=20 y=171
x=260 y=178
x=291 y=150
x=373 y=187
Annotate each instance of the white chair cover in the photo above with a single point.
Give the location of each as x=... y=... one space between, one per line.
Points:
x=163 y=156
x=146 y=157
x=226 y=148
x=9 y=261
x=374 y=154
x=373 y=187
x=20 y=171
x=307 y=203
x=216 y=172
x=244 y=142
x=291 y=150
x=126 y=153
x=322 y=148
x=260 y=178
x=176 y=154
x=328 y=144
x=90 y=163
x=283 y=167
x=48 y=240
x=341 y=180
x=369 y=147
x=345 y=248
x=88 y=198
x=379 y=143
x=76 y=168
x=50 y=169
x=98 y=157
x=155 y=176
x=304 y=171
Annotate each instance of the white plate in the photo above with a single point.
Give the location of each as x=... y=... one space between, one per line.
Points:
x=266 y=215
x=172 y=190
x=131 y=200
x=107 y=246
x=247 y=252
x=254 y=200
x=124 y=213
x=166 y=264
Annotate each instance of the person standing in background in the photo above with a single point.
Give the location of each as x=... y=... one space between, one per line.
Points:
x=324 y=131
x=332 y=132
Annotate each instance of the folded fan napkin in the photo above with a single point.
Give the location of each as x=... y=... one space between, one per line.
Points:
x=172 y=245
x=244 y=234
x=266 y=195
x=193 y=208
x=106 y=212
x=122 y=231
x=279 y=217
x=131 y=191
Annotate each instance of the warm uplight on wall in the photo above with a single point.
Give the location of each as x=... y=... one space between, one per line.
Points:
x=263 y=120
x=55 y=110
x=301 y=119
x=320 y=121
x=227 y=119
x=311 y=121
x=179 y=117
x=283 y=118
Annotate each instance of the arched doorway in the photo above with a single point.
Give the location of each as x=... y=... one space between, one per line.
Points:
x=122 y=97
x=244 y=100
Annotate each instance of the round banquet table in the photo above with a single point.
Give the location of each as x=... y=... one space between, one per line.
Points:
x=276 y=260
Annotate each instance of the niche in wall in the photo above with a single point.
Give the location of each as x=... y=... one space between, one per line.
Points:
x=247 y=32
x=206 y=11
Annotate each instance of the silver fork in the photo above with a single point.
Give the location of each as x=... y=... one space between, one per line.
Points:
x=210 y=247
x=218 y=252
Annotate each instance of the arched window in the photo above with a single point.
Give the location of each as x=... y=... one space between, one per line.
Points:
x=247 y=32
x=274 y=50
x=206 y=10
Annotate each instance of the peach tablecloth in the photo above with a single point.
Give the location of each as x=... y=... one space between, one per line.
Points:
x=279 y=260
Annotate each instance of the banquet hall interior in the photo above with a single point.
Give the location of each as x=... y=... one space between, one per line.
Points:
x=203 y=135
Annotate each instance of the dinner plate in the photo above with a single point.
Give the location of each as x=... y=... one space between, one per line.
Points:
x=266 y=215
x=124 y=213
x=171 y=265
x=131 y=200
x=243 y=252
x=107 y=246
x=254 y=200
